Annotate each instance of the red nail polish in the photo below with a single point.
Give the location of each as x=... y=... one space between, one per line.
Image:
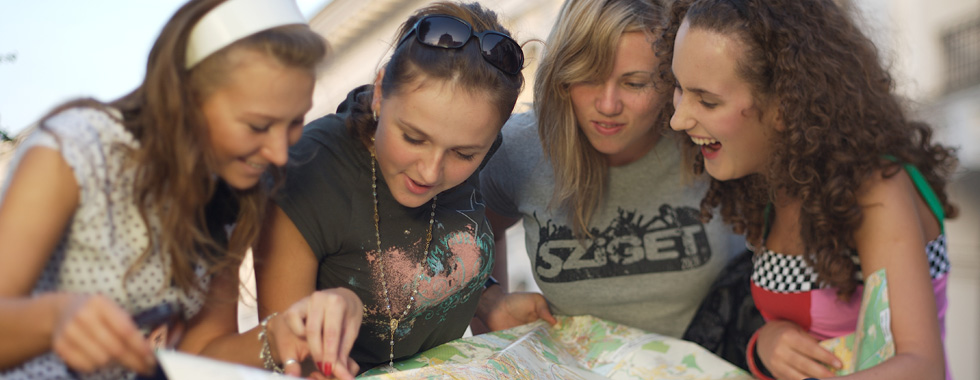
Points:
x=326 y=368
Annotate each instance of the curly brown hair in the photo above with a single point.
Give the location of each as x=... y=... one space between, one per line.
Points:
x=841 y=115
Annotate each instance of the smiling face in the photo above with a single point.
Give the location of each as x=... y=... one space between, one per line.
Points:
x=618 y=113
x=431 y=136
x=254 y=115
x=715 y=107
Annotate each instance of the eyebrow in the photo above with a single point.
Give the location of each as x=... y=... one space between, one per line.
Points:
x=638 y=72
x=700 y=91
x=696 y=90
x=414 y=129
x=267 y=117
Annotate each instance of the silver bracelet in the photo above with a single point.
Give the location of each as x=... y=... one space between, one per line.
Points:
x=265 y=354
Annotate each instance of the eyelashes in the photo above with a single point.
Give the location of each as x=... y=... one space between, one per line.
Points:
x=416 y=142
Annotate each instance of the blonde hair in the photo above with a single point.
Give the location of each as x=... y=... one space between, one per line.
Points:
x=579 y=48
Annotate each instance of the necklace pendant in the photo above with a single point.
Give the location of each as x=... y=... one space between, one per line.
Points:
x=394 y=325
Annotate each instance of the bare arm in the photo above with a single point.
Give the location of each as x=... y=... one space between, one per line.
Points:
x=285 y=266
x=498 y=309
x=499 y=225
x=285 y=273
x=214 y=330
x=86 y=332
x=310 y=322
x=897 y=224
x=892 y=235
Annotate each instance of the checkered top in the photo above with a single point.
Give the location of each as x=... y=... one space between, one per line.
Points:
x=781 y=273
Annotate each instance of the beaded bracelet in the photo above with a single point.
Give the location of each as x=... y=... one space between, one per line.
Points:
x=265 y=355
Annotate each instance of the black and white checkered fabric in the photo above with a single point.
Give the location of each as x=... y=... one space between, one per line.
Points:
x=938 y=258
x=780 y=273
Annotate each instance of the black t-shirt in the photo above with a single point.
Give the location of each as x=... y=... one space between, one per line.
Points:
x=327 y=195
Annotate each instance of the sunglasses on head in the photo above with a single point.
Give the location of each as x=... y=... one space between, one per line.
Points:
x=449 y=32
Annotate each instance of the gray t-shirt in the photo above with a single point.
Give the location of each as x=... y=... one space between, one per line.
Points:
x=651 y=260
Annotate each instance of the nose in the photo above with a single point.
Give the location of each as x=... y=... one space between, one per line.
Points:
x=430 y=166
x=608 y=101
x=275 y=148
x=680 y=120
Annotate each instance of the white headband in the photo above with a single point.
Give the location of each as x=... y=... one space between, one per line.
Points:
x=236 y=19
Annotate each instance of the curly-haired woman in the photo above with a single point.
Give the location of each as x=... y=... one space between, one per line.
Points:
x=814 y=159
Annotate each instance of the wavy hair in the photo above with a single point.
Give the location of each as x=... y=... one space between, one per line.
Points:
x=465 y=67
x=584 y=37
x=174 y=163
x=836 y=99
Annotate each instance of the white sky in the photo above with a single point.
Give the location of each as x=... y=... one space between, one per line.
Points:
x=71 y=48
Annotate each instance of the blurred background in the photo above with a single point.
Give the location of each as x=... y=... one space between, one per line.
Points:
x=55 y=50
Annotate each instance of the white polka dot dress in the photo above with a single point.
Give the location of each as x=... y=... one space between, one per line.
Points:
x=106 y=234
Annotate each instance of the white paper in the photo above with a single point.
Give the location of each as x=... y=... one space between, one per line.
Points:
x=181 y=366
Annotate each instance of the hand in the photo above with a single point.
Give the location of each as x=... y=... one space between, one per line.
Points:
x=92 y=332
x=788 y=352
x=326 y=372
x=500 y=311
x=323 y=326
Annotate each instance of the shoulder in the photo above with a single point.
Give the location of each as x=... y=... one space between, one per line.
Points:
x=87 y=125
x=326 y=130
x=86 y=137
x=892 y=211
x=520 y=126
x=521 y=140
x=886 y=187
x=520 y=150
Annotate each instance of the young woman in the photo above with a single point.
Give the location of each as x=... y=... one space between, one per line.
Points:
x=383 y=198
x=611 y=226
x=114 y=214
x=814 y=159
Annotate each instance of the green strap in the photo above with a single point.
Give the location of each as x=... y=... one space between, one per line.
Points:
x=925 y=190
x=920 y=184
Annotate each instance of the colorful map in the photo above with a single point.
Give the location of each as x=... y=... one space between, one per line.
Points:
x=872 y=341
x=581 y=347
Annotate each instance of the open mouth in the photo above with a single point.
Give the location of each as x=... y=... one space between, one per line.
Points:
x=258 y=167
x=416 y=187
x=708 y=146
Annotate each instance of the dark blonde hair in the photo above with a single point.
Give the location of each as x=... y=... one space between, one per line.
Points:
x=465 y=67
x=823 y=76
x=174 y=163
x=585 y=36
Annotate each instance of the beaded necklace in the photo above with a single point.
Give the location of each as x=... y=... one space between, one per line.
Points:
x=392 y=321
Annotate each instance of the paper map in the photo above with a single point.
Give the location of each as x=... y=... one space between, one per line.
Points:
x=577 y=348
x=872 y=341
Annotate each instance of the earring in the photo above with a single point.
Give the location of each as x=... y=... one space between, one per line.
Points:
x=375 y=114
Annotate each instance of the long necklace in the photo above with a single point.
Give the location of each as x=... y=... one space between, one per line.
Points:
x=392 y=321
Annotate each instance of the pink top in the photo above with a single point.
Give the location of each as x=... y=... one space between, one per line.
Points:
x=784 y=287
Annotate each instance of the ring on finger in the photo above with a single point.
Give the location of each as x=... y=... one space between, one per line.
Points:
x=288 y=362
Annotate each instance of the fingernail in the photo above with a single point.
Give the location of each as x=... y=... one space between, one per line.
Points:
x=326 y=368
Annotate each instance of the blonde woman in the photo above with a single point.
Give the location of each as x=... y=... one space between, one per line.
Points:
x=612 y=228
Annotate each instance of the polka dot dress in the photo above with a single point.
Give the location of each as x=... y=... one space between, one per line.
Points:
x=106 y=235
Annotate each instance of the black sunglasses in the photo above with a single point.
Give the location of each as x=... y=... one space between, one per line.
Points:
x=449 y=32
